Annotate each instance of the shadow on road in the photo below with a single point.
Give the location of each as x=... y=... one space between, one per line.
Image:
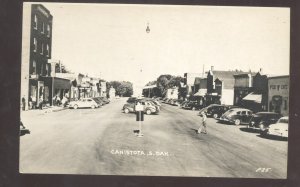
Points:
x=271 y=137
x=245 y=129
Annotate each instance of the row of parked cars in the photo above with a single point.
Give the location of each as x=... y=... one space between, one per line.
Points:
x=267 y=123
x=150 y=105
x=94 y=102
x=190 y=105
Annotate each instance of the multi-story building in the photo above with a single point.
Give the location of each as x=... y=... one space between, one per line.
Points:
x=220 y=86
x=36 y=50
x=251 y=91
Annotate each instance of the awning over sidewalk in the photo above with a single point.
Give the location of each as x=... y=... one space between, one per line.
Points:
x=253 y=97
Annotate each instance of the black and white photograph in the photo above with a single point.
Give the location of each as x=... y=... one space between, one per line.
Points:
x=154 y=90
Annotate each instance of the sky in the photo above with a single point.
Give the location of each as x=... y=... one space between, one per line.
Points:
x=110 y=40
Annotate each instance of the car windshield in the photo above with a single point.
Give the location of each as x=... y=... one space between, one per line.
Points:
x=283 y=120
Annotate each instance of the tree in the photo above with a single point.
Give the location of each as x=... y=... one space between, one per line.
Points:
x=164 y=82
x=61 y=68
x=123 y=88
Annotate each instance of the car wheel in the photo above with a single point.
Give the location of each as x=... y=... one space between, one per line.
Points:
x=148 y=112
x=237 y=122
x=93 y=107
x=215 y=116
x=263 y=133
x=75 y=106
x=126 y=110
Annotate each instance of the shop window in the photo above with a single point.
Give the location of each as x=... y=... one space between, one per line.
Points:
x=34 y=44
x=35 y=22
x=285 y=105
x=46 y=95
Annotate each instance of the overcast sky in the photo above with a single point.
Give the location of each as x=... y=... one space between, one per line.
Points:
x=111 y=40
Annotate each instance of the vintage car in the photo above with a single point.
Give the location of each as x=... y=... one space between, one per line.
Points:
x=262 y=120
x=237 y=116
x=280 y=128
x=83 y=103
x=149 y=107
x=217 y=111
x=193 y=105
x=205 y=109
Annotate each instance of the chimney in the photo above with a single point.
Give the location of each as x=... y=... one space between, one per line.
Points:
x=212 y=68
x=260 y=70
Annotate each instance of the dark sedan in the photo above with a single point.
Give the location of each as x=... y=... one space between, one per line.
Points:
x=193 y=105
x=217 y=111
x=262 y=120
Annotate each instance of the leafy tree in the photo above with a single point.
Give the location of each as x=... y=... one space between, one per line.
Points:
x=123 y=88
x=61 y=68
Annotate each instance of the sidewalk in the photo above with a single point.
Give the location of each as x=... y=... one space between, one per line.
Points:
x=46 y=109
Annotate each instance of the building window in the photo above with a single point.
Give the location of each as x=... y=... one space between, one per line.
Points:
x=42 y=48
x=43 y=28
x=48 y=51
x=48 y=30
x=34 y=44
x=47 y=70
x=34 y=67
x=35 y=22
x=42 y=68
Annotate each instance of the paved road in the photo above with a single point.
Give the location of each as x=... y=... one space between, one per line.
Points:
x=102 y=141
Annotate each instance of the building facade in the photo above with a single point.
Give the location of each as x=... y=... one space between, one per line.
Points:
x=172 y=93
x=278 y=97
x=220 y=87
x=36 y=50
x=189 y=81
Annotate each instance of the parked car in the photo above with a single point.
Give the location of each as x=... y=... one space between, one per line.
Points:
x=83 y=103
x=23 y=129
x=262 y=120
x=105 y=100
x=131 y=100
x=280 y=128
x=98 y=101
x=149 y=108
x=193 y=105
x=183 y=104
x=217 y=111
x=205 y=109
x=237 y=116
x=178 y=102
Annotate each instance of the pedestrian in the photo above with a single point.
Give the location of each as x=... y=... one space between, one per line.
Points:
x=23 y=102
x=30 y=102
x=202 y=128
x=41 y=103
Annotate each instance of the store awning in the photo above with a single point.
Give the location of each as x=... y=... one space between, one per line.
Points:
x=253 y=97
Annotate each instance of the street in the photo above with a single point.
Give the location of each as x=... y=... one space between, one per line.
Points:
x=102 y=142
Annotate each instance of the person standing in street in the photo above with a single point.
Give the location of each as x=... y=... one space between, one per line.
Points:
x=202 y=128
x=23 y=102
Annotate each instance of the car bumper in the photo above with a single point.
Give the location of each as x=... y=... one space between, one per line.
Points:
x=277 y=133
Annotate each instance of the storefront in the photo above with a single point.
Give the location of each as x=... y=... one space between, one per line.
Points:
x=39 y=91
x=278 y=97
